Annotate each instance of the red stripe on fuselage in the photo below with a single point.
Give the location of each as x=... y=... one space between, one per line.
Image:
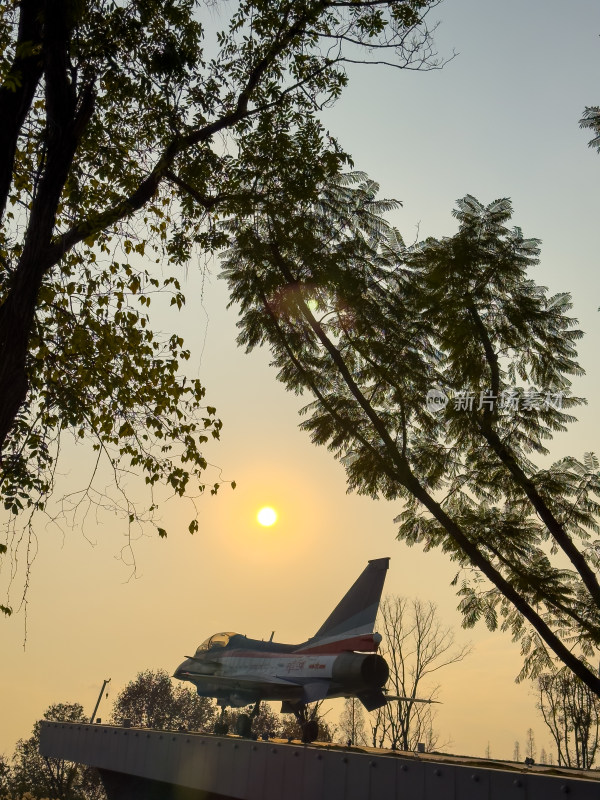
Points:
x=364 y=644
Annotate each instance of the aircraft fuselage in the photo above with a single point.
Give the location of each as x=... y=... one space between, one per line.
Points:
x=244 y=676
x=340 y=660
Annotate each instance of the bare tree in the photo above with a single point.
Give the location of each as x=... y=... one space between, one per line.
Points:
x=530 y=748
x=572 y=713
x=352 y=722
x=517 y=751
x=379 y=728
x=415 y=645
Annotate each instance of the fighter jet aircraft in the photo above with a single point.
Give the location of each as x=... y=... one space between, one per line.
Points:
x=340 y=660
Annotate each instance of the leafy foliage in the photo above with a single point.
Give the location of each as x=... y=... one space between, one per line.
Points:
x=152 y=701
x=265 y=722
x=36 y=776
x=368 y=326
x=591 y=120
x=125 y=135
x=5 y=778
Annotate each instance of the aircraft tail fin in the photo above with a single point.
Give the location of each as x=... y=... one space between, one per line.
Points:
x=356 y=611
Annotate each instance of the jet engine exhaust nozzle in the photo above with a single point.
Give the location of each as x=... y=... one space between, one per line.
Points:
x=360 y=671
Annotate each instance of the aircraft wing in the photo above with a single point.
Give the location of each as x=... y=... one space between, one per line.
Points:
x=316 y=690
x=240 y=682
x=269 y=685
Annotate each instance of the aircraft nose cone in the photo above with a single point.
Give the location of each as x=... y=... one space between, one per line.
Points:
x=181 y=669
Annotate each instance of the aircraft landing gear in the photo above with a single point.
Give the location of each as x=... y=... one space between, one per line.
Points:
x=221 y=727
x=243 y=726
x=308 y=725
x=310 y=731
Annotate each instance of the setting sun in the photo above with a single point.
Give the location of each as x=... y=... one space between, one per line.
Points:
x=267 y=516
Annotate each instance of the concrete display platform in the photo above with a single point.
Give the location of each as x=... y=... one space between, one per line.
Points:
x=141 y=764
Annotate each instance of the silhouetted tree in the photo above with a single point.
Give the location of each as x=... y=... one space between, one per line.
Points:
x=415 y=645
x=352 y=722
x=373 y=329
x=291 y=729
x=266 y=722
x=151 y=700
x=53 y=778
x=572 y=713
x=517 y=751
x=274 y=725
x=5 y=778
x=591 y=120
x=109 y=163
x=530 y=748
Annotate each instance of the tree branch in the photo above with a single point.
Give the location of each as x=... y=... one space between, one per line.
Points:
x=510 y=462
x=15 y=100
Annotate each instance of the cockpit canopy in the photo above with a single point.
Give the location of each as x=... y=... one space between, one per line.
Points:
x=217 y=640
